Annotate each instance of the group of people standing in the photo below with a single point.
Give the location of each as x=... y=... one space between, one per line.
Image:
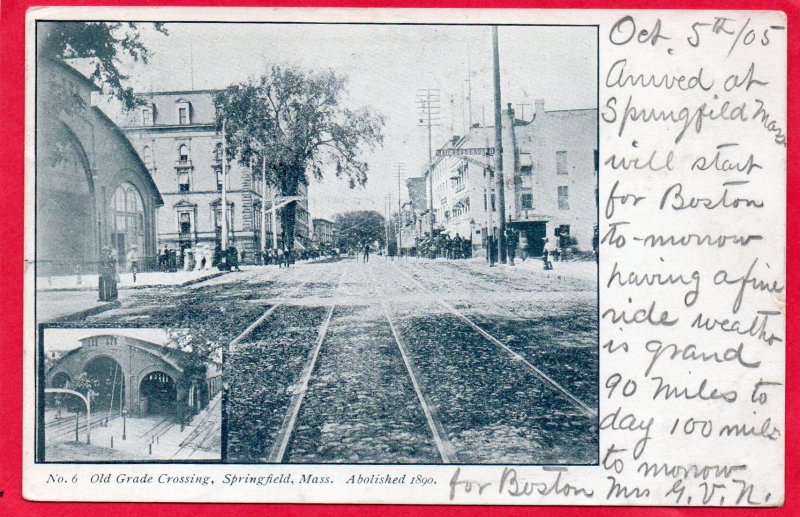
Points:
x=441 y=245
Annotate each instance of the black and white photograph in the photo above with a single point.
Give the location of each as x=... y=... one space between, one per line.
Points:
x=121 y=395
x=382 y=236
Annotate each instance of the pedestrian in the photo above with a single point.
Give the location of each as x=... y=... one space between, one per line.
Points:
x=279 y=256
x=366 y=252
x=233 y=258
x=108 y=275
x=133 y=261
x=511 y=245
x=548 y=265
x=523 y=245
x=287 y=256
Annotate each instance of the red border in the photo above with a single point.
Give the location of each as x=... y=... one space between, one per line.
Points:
x=12 y=79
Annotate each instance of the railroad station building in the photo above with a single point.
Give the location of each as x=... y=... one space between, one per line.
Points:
x=141 y=377
x=550 y=165
x=176 y=136
x=92 y=189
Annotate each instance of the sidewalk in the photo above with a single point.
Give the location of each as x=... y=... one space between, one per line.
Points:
x=148 y=279
x=62 y=298
x=53 y=306
x=583 y=269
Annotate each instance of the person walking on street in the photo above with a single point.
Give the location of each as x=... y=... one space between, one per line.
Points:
x=523 y=245
x=287 y=256
x=366 y=251
x=511 y=245
x=133 y=261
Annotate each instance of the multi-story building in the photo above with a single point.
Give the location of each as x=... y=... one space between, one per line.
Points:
x=550 y=168
x=413 y=214
x=176 y=135
x=92 y=189
x=324 y=233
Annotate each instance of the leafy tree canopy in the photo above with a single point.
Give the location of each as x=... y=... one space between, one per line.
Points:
x=103 y=44
x=294 y=121
x=358 y=226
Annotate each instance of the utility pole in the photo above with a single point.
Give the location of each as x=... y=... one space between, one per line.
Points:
x=498 y=152
x=224 y=206
x=263 y=208
x=430 y=111
x=399 y=169
x=386 y=211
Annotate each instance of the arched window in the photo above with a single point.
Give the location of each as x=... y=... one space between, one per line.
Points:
x=128 y=221
x=218 y=152
x=183 y=153
x=147 y=157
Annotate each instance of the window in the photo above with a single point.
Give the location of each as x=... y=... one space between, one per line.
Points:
x=494 y=203
x=485 y=200
x=183 y=116
x=147 y=117
x=185 y=225
x=218 y=152
x=526 y=201
x=183 y=153
x=561 y=162
x=183 y=181
x=127 y=229
x=147 y=157
x=563 y=198
x=525 y=163
x=219 y=178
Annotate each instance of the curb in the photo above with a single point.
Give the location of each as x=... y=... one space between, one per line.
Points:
x=85 y=313
x=128 y=287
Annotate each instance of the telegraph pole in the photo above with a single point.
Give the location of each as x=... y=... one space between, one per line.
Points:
x=430 y=109
x=498 y=152
x=263 y=208
x=386 y=211
x=399 y=169
x=224 y=207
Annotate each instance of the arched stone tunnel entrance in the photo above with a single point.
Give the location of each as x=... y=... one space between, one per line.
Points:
x=158 y=394
x=108 y=383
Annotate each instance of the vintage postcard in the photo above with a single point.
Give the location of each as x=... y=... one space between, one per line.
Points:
x=405 y=256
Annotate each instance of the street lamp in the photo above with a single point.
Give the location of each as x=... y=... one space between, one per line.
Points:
x=124 y=423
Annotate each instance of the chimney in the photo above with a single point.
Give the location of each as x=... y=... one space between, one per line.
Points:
x=539 y=107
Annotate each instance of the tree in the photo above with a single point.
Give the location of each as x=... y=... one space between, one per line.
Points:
x=358 y=226
x=103 y=44
x=293 y=119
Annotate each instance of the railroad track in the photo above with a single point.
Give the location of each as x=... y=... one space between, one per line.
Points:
x=66 y=427
x=548 y=381
x=281 y=443
x=202 y=432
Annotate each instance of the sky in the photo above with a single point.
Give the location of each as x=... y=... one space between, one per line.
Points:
x=386 y=66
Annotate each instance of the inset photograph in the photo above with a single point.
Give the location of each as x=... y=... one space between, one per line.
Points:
x=119 y=395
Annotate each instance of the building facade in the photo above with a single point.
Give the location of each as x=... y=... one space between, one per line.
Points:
x=324 y=233
x=550 y=180
x=176 y=136
x=92 y=189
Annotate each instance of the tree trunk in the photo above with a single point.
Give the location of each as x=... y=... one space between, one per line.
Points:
x=288 y=218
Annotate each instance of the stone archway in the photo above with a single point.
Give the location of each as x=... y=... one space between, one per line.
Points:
x=108 y=383
x=59 y=380
x=158 y=394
